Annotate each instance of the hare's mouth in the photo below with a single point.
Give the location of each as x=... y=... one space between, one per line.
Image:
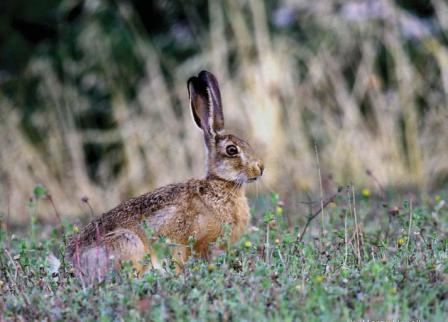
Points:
x=252 y=179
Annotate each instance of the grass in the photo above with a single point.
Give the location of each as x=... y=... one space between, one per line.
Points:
x=388 y=263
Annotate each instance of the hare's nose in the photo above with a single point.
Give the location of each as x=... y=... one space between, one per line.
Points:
x=261 y=167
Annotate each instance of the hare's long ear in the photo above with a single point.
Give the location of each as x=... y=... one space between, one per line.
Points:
x=198 y=103
x=205 y=103
x=214 y=99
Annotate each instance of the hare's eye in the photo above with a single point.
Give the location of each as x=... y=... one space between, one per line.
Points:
x=232 y=150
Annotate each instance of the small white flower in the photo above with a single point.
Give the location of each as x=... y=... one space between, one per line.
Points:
x=53 y=263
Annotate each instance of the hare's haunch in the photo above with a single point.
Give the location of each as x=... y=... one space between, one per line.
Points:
x=199 y=207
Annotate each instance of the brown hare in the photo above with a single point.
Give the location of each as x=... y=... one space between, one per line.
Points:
x=199 y=207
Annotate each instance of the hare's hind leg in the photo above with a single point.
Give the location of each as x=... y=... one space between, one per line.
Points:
x=92 y=263
x=121 y=244
x=131 y=244
x=96 y=261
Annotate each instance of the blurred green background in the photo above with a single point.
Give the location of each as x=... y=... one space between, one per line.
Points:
x=93 y=98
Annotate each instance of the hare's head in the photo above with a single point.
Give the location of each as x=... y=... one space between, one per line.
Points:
x=228 y=157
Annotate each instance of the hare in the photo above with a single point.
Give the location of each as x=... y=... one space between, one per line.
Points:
x=199 y=207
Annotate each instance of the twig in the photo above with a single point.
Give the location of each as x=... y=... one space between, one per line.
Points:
x=267 y=244
x=282 y=260
x=357 y=230
x=320 y=187
x=345 y=238
x=86 y=201
x=58 y=216
x=378 y=183
x=7 y=225
x=410 y=224
x=64 y=237
x=311 y=217
x=13 y=263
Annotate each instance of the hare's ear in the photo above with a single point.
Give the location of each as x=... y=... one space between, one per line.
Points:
x=205 y=103
x=214 y=99
x=198 y=104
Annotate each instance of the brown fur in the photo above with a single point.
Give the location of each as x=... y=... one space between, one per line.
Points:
x=198 y=208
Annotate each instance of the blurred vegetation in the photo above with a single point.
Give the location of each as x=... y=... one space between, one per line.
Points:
x=93 y=98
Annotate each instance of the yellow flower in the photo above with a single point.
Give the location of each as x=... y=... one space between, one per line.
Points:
x=365 y=192
x=319 y=279
x=75 y=229
x=303 y=185
x=211 y=267
x=279 y=210
x=432 y=45
x=393 y=291
x=401 y=242
x=437 y=198
x=247 y=244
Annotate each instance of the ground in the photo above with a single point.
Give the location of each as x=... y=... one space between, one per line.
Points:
x=366 y=258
